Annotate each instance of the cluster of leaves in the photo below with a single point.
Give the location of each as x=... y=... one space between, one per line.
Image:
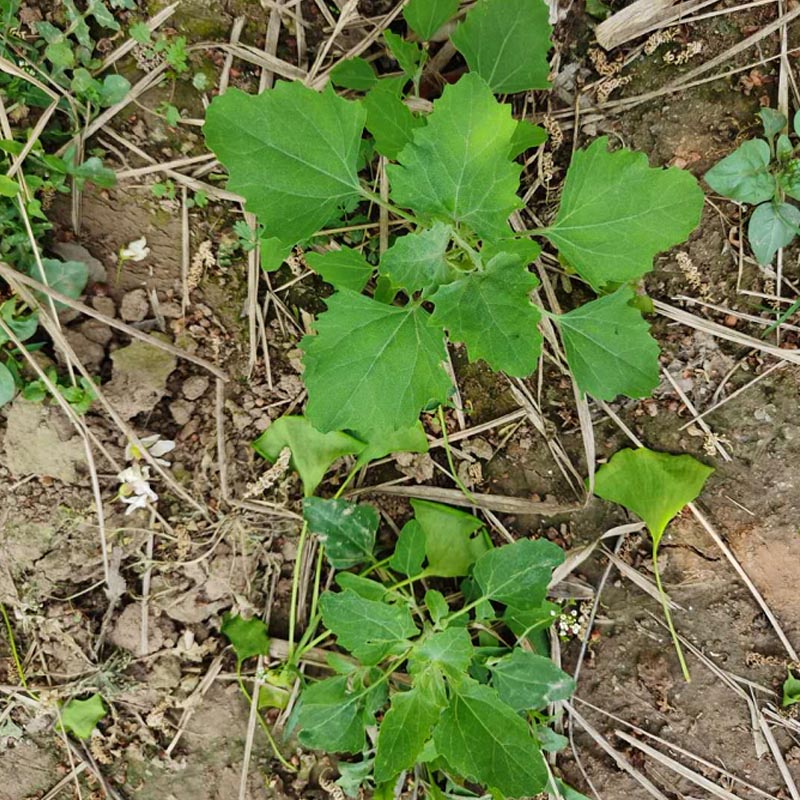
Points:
x=764 y=173
x=376 y=359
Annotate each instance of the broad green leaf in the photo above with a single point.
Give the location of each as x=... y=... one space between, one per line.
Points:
x=347 y=529
x=113 y=89
x=528 y=682
x=403 y=440
x=22 y=324
x=791 y=690
x=369 y=589
x=481 y=738
x=532 y=623
x=744 y=174
x=273 y=252
x=437 y=605
x=457 y=167
x=772 y=226
x=344 y=269
x=354 y=73
x=293 y=177
x=367 y=628
x=60 y=54
x=449 y=651
x=518 y=574
x=372 y=367
x=409 y=552
x=655 y=486
x=247 y=636
x=417 y=260
x=526 y=136
x=426 y=17
x=491 y=312
x=312 y=452
x=332 y=717
x=528 y=250
x=389 y=119
x=403 y=732
x=451 y=542
x=506 y=42
x=617 y=212
x=409 y=55
x=81 y=716
x=773 y=121
x=67 y=277
x=8 y=187
x=609 y=349
x=7 y=386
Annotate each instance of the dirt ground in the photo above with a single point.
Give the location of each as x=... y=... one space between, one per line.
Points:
x=152 y=647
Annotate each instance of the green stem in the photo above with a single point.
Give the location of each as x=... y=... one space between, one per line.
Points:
x=449 y=453
x=347 y=481
x=14 y=652
x=396 y=210
x=296 y=590
x=668 y=617
x=783 y=317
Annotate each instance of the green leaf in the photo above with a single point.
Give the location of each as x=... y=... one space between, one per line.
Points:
x=457 y=167
x=94 y=171
x=518 y=574
x=437 y=605
x=567 y=792
x=449 y=651
x=389 y=119
x=426 y=17
x=783 y=148
x=791 y=690
x=609 y=349
x=772 y=226
x=506 y=42
x=409 y=55
x=8 y=187
x=344 y=269
x=7 y=386
x=616 y=213
x=403 y=732
x=773 y=121
x=655 y=486
x=113 y=89
x=744 y=174
x=796 y=123
x=312 y=452
x=332 y=717
x=372 y=367
x=450 y=545
x=367 y=628
x=482 y=738
x=417 y=260
x=140 y=32
x=347 y=529
x=528 y=682
x=60 y=54
x=247 y=636
x=550 y=741
x=403 y=440
x=491 y=312
x=81 y=716
x=409 y=552
x=67 y=277
x=23 y=325
x=526 y=136
x=354 y=73
x=293 y=177
x=274 y=252
x=353 y=776
x=369 y=589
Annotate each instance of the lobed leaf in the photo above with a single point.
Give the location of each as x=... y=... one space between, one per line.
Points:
x=506 y=42
x=247 y=636
x=617 y=212
x=294 y=176
x=409 y=55
x=417 y=262
x=372 y=367
x=347 y=529
x=389 y=119
x=81 y=716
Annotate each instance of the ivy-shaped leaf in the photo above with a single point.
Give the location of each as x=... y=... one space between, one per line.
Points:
x=491 y=312
x=247 y=636
x=426 y=17
x=347 y=529
x=609 y=349
x=372 y=367
x=744 y=174
x=81 y=716
x=312 y=451
x=655 y=486
x=617 y=212
x=417 y=260
x=293 y=177
x=506 y=43
x=482 y=738
x=772 y=226
x=457 y=168
x=526 y=681
x=344 y=269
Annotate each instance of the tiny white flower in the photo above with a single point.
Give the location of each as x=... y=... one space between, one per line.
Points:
x=135 y=251
x=154 y=445
x=135 y=490
x=135 y=502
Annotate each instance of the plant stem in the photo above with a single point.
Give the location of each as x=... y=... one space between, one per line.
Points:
x=665 y=605
x=449 y=453
x=396 y=210
x=296 y=590
x=347 y=481
x=14 y=653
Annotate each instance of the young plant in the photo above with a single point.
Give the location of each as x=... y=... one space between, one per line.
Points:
x=764 y=173
x=656 y=486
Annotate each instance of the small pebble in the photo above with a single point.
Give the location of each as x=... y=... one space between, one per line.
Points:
x=134 y=306
x=195 y=387
x=731 y=321
x=181 y=411
x=105 y=305
x=95 y=331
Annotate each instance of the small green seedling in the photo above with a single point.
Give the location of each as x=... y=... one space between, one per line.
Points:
x=791 y=690
x=80 y=717
x=764 y=173
x=656 y=486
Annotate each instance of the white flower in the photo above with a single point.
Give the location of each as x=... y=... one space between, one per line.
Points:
x=154 y=445
x=135 y=251
x=134 y=503
x=135 y=490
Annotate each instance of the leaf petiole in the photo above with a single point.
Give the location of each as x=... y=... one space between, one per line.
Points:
x=665 y=606
x=295 y=592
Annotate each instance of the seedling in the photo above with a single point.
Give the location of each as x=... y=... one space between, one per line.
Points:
x=764 y=173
